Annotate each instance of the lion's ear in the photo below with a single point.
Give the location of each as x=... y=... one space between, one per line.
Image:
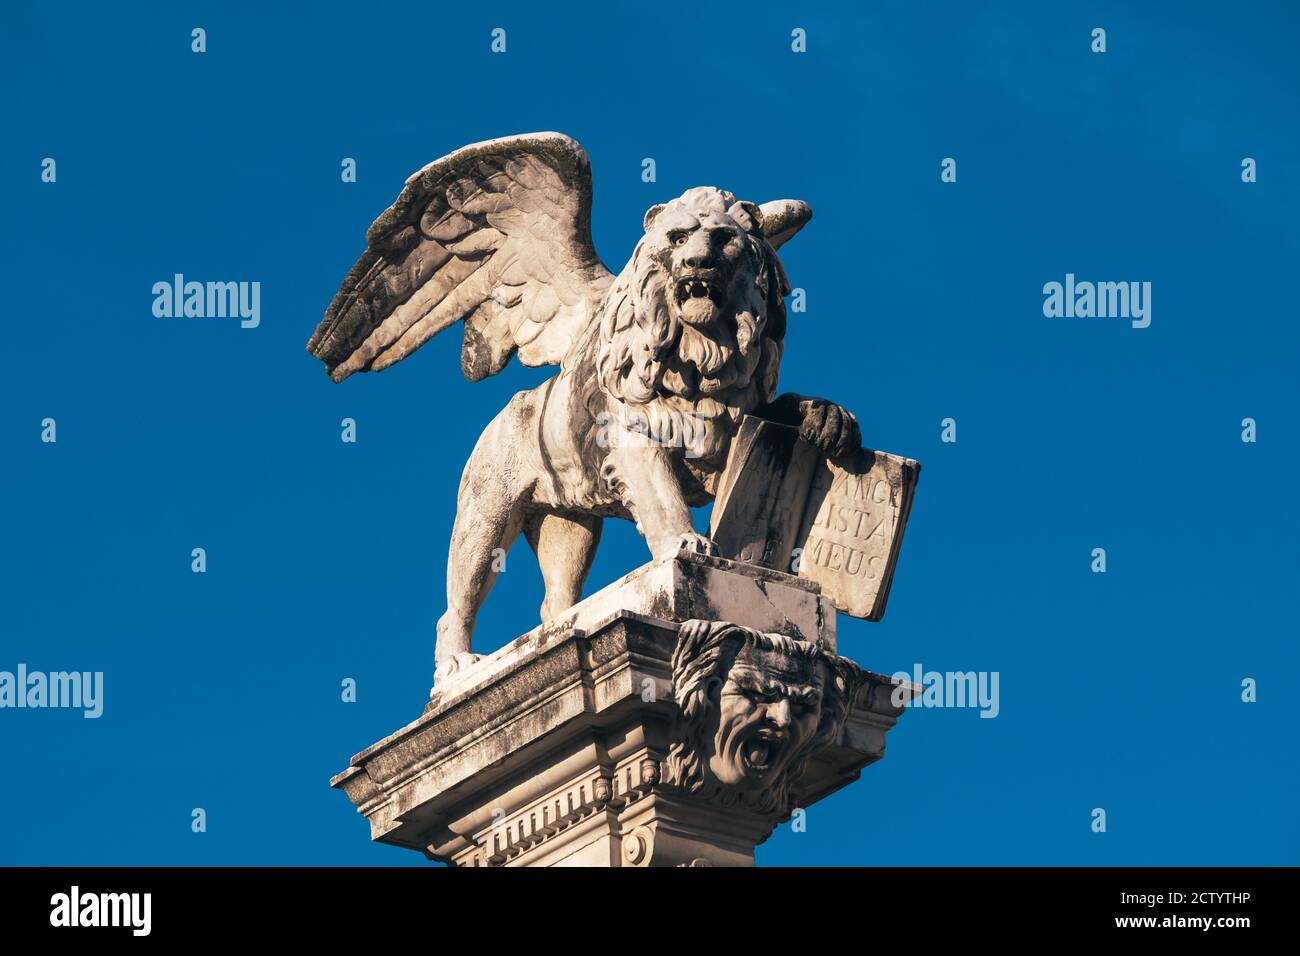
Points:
x=748 y=215
x=650 y=216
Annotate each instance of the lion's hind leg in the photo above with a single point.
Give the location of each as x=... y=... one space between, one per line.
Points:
x=565 y=545
x=478 y=548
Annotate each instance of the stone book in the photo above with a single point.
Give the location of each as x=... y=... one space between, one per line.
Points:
x=784 y=505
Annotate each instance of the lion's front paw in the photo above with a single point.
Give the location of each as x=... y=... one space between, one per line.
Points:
x=690 y=541
x=830 y=427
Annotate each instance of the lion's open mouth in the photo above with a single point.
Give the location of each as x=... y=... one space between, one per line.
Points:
x=695 y=287
x=698 y=298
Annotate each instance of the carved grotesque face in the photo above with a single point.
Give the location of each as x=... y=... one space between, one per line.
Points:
x=754 y=708
x=702 y=244
x=768 y=709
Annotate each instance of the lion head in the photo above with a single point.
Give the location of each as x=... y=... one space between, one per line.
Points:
x=696 y=319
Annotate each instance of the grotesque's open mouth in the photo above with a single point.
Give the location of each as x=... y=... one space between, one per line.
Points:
x=759 y=751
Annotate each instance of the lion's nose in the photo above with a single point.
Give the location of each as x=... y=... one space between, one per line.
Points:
x=698 y=253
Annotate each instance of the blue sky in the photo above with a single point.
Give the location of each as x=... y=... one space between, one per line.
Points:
x=1119 y=690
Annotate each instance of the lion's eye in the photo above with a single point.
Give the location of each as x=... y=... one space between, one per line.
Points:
x=678 y=238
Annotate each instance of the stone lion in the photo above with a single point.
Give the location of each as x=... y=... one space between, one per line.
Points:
x=657 y=365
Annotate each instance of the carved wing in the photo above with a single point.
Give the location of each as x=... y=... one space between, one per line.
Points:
x=498 y=234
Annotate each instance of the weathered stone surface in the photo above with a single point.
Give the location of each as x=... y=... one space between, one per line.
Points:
x=839 y=522
x=853 y=528
x=676 y=589
x=658 y=364
x=597 y=748
x=690 y=585
x=762 y=494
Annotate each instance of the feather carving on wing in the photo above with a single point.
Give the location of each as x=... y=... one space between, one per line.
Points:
x=497 y=234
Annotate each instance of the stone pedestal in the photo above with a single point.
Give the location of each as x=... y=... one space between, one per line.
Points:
x=673 y=718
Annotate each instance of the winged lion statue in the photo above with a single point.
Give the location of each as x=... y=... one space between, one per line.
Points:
x=657 y=364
